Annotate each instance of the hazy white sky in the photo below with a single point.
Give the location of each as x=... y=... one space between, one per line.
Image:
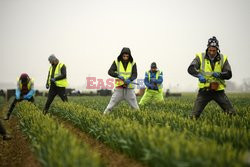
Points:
x=87 y=35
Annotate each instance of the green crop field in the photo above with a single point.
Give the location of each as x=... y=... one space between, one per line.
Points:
x=159 y=135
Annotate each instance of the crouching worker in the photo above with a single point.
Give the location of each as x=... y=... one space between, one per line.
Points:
x=153 y=81
x=25 y=91
x=125 y=71
x=212 y=69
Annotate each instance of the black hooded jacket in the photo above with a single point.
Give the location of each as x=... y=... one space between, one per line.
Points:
x=113 y=69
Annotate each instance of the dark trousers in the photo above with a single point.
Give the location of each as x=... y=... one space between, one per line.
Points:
x=53 y=91
x=16 y=101
x=204 y=97
x=2 y=129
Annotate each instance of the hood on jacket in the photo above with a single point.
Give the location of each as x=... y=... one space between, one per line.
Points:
x=24 y=78
x=125 y=50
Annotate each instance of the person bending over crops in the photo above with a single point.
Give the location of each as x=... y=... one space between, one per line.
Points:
x=212 y=69
x=24 y=91
x=153 y=81
x=56 y=81
x=125 y=71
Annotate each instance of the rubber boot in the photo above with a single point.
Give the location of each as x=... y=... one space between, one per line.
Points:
x=7 y=117
x=7 y=137
x=45 y=112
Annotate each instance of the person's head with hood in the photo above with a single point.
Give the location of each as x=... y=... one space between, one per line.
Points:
x=24 y=78
x=125 y=55
x=213 y=47
x=53 y=60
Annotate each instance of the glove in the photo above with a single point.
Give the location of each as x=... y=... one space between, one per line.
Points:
x=202 y=79
x=29 y=95
x=128 y=81
x=47 y=86
x=151 y=86
x=153 y=80
x=25 y=97
x=216 y=75
x=53 y=80
x=121 y=77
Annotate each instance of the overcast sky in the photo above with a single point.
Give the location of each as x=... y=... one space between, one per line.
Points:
x=87 y=35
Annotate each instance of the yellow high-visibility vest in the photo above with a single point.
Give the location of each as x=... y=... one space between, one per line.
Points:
x=122 y=72
x=206 y=71
x=29 y=85
x=59 y=83
x=156 y=77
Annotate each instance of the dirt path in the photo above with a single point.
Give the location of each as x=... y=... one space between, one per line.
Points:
x=110 y=157
x=15 y=152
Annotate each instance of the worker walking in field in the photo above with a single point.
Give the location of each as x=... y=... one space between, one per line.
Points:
x=153 y=81
x=212 y=69
x=24 y=91
x=4 y=133
x=56 y=82
x=125 y=71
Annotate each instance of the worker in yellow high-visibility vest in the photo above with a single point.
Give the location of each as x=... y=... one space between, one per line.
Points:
x=56 y=81
x=24 y=91
x=153 y=81
x=212 y=69
x=125 y=71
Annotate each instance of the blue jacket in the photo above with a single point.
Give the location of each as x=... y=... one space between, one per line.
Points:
x=152 y=75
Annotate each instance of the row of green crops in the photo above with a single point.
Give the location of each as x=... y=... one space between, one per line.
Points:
x=221 y=128
x=53 y=144
x=182 y=107
x=154 y=145
x=239 y=137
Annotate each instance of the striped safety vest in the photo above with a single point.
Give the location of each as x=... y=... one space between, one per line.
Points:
x=206 y=71
x=125 y=73
x=158 y=73
x=59 y=83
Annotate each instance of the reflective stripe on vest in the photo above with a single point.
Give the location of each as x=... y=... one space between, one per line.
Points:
x=122 y=72
x=59 y=83
x=206 y=70
x=156 y=77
